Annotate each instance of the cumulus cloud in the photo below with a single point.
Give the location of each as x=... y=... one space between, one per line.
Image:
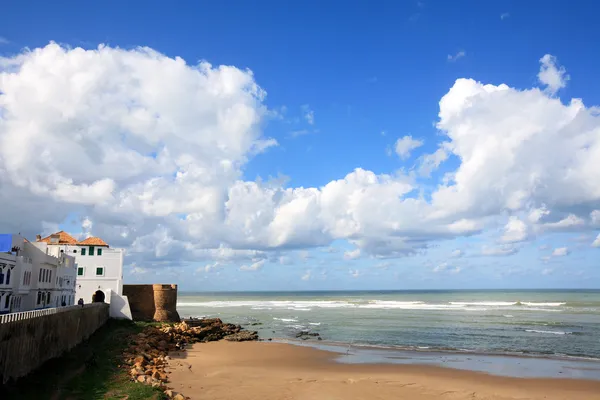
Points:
x=596 y=242
x=352 y=254
x=306 y=276
x=253 y=267
x=560 y=252
x=456 y=56
x=552 y=75
x=405 y=145
x=152 y=150
x=515 y=231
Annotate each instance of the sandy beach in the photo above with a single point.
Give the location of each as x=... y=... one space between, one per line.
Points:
x=259 y=370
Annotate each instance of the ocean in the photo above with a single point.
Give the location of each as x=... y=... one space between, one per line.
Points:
x=545 y=323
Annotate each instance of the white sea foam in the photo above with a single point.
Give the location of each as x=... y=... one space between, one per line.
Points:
x=314 y=323
x=308 y=305
x=551 y=332
x=483 y=303
x=508 y=316
x=286 y=319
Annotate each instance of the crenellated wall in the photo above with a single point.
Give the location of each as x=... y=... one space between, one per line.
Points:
x=157 y=302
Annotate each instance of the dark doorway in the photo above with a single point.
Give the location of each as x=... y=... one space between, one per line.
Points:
x=98 y=297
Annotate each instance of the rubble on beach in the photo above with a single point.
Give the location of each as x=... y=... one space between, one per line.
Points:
x=147 y=356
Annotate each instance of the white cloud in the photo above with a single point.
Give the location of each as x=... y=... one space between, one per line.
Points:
x=596 y=242
x=547 y=271
x=153 y=151
x=499 y=251
x=567 y=223
x=253 y=267
x=515 y=231
x=456 y=56
x=537 y=214
x=560 y=252
x=354 y=273
x=595 y=217
x=309 y=115
x=457 y=253
x=306 y=276
x=504 y=16
x=431 y=162
x=352 y=254
x=405 y=145
x=551 y=75
x=210 y=267
x=445 y=267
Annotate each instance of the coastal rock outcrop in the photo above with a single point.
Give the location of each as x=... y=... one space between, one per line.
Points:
x=147 y=356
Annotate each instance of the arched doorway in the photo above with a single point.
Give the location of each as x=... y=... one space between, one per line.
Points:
x=98 y=297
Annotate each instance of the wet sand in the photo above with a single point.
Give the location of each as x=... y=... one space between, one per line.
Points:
x=259 y=370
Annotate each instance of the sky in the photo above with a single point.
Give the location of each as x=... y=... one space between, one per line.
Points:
x=309 y=145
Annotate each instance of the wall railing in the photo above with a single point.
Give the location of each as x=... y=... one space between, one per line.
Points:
x=39 y=313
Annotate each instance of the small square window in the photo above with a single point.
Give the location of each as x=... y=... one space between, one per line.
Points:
x=80 y=271
x=83 y=251
x=91 y=250
x=99 y=271
x=99 y=251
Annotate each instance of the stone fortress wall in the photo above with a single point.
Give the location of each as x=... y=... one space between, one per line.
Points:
x=157 y=302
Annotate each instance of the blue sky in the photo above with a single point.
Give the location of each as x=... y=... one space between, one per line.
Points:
x=344 y=82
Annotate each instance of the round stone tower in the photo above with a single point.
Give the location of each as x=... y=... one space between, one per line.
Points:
x=165 y=303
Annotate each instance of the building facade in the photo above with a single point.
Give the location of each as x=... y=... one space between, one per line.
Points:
x=99 y=267
x=32 y=279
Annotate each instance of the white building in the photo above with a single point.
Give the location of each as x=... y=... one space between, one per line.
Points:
x=99 y=269
x=31 y=279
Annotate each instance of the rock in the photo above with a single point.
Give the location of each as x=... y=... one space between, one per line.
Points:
x=169 y=393
x=304 y=335
x=179 y=396
x=242 y=336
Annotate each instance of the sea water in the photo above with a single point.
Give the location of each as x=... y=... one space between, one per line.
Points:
x=548 y=323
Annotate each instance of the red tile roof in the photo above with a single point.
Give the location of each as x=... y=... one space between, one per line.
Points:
x=65 y=238
x=93 y=241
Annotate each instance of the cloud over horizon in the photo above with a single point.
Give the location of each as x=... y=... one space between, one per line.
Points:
x=152 y=150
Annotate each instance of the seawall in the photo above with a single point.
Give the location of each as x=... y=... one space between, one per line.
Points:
x=27 y=343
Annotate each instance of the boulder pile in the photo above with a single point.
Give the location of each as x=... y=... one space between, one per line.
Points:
x=148 y=354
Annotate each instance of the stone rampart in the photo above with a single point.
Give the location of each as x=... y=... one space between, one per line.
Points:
x=157 y=302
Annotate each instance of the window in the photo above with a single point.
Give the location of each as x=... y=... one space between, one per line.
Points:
x=7 y=301
x=1 y=276
x=75 y=251
x=80 y=271
x=91 y=250
x=99 y=271
x=40 y=277
x=99 y=251
x=83 y=251
x=49 y=275
x=8 y=276
x=39 y=299
x=48 y=298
